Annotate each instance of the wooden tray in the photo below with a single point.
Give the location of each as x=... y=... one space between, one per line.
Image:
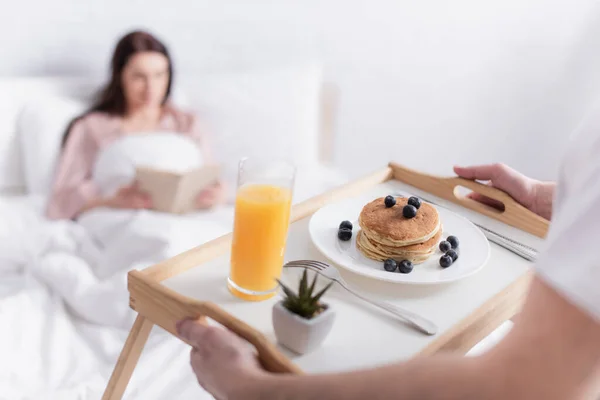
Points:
x=159 y=305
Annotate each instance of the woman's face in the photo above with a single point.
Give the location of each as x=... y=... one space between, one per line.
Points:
x=145 y=79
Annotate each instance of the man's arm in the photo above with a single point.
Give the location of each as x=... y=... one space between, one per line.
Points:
x=553 y=352
x=439 y=377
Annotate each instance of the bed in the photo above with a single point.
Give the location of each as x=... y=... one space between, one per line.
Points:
x=63 y=299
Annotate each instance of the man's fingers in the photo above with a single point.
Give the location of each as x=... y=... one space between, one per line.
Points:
x=203 y=336
x=192 y=331
x=500 y=175
x=479 y=172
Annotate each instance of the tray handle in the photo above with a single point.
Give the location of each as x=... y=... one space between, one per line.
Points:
x=165 y=308
x=514 y=214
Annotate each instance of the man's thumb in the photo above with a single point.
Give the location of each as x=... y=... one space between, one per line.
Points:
x=189 y=329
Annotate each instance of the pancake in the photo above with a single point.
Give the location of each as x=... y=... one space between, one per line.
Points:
x=377 y=256
x=417 y=248
x=386 y=233
x=415 y=260
x=416 y=253
x=387 y=226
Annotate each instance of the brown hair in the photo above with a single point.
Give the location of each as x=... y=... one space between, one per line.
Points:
x=112 y=98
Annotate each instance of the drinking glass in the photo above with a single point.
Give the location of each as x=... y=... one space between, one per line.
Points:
x=262 y=216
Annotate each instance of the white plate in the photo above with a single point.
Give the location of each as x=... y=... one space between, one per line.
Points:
x=474 y=248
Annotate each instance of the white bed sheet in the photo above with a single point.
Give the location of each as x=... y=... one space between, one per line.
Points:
x=64 y=312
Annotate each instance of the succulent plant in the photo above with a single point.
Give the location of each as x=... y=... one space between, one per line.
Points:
x=304 y=303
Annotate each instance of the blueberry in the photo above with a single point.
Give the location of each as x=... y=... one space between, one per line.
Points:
x=346 y=224
x=390 y=201
x=453 y=254
x=345 y=234
x=405 y=267
x=390 y=265
x=445 y=261
x=409 y=211
x=445 y=246
x=415 y=202
x=453 y=241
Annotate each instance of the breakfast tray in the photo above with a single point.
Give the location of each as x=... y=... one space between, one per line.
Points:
x=157 y=304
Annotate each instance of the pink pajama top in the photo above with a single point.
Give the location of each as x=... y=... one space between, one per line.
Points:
x=73 y=187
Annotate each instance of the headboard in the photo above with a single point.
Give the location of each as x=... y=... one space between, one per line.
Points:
x=16 y=93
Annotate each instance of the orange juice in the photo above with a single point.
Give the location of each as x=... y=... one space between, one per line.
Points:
x=262 y=215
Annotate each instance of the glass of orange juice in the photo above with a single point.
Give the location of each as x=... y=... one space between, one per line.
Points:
x=262 y=216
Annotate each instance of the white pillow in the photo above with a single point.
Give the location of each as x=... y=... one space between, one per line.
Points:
x=166 y=151
x=260 y=113
x=41 y=126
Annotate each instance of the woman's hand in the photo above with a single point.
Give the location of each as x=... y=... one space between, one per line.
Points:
x=211 y=196
x=130 y=197
x=532 y=194
x=127 y=197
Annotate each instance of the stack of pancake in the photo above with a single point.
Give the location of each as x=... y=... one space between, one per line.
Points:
x=386 y=233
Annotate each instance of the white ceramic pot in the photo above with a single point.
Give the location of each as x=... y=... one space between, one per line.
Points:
x=300 y=334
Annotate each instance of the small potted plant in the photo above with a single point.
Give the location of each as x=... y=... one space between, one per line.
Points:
x=301 y=322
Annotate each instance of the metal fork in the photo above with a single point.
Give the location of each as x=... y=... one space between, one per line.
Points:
x=333 y=274
x=518 y=248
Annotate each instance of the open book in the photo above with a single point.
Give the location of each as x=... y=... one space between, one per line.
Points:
x=175 y=192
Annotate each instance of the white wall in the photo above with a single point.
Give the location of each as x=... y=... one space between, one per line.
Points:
x=427 y=83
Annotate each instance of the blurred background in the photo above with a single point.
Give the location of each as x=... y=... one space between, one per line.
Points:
x=427 y=83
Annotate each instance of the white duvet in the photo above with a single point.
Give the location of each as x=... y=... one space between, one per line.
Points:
x=64 y=308
x=64 y=311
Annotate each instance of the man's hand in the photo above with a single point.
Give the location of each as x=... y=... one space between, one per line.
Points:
x=530 y=193
x=224 y=364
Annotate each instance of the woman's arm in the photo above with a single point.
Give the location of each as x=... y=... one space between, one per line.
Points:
x=73 y=190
